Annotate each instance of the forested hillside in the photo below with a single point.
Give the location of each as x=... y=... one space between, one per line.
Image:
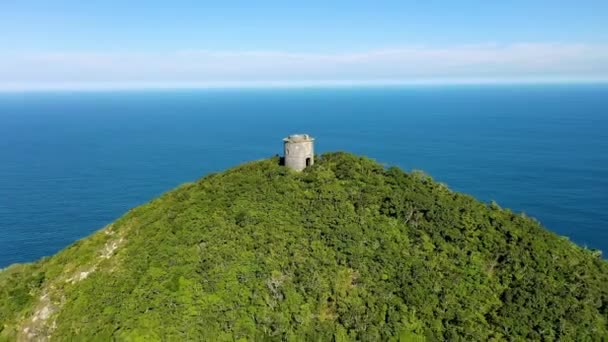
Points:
x=346 y=250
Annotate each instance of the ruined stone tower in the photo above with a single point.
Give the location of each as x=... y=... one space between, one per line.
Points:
x=299 y=152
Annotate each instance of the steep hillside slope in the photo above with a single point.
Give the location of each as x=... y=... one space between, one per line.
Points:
x=345 y=250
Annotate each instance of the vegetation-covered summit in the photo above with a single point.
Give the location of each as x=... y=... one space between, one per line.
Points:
x=346 y=250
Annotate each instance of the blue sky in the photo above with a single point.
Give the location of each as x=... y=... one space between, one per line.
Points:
x=46 y=43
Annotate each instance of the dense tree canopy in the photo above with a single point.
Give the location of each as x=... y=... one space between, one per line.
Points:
x=346 y=250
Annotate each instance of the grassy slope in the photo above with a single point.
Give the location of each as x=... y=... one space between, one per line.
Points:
x=345 y=250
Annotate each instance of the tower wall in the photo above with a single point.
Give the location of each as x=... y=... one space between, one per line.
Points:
x=299 y=151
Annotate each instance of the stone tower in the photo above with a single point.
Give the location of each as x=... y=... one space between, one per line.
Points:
x=299 y=152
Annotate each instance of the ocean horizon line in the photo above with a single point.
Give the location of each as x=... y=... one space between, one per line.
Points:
x=168 y=86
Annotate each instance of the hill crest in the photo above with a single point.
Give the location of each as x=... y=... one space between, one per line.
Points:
x=345 y=250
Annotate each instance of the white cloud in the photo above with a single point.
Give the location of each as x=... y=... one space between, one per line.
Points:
x=523 y=61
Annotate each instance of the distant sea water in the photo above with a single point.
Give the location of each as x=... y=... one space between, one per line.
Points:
x=72 y=162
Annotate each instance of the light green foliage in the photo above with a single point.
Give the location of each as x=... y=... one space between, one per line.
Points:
x=346 y=250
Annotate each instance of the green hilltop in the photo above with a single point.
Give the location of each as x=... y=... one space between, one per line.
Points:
x=346 y=250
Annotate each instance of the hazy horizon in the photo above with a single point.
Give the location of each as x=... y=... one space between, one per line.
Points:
x=169 y=86
x=116 y=45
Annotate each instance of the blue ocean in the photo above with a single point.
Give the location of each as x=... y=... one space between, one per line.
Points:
x=72 y=162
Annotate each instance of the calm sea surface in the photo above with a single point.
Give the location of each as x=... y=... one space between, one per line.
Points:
x=71 y=163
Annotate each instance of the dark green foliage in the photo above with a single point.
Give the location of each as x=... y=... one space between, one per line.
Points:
x=346 y=250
